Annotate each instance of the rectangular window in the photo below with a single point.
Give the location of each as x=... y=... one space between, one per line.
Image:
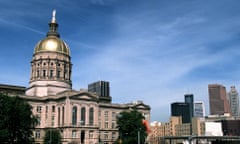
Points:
x=44 y=73
x=59 y=116
x=39 y=109
x=38 y=120
x=38 y=73
x=90 y=134
x=106 y=115
x=51 y=73
x=74 y=134
x=62 y=115
x=105 y=135
x=113 y=125
x=114 y=135
x=105 y=124
x=37 y=134
x=46 y=109
x=113 y=115
x=53 y=108
x=53 y=118
x=58 y=74
x=99 y=113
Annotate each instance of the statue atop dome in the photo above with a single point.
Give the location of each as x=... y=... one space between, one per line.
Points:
x=54 y=16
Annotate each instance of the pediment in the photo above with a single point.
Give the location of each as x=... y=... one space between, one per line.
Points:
x=87 y=96
x=142 y=106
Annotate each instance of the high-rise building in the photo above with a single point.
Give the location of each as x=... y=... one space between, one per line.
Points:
x=190 y=100
x=181 y=109
x=234 y=101
x=199 y=109
x=102 y=89
x=217 y=99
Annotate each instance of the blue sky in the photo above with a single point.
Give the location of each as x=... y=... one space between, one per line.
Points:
x=150 y=50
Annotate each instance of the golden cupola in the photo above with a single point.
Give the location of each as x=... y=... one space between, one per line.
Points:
x=52 y=42
x=51 y=65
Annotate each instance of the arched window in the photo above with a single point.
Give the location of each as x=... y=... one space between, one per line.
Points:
x=83 y=115
x=44 y=73
x=58 y=73
x=59 y=116
x=51 y=73
x=38 y=73
x=74 y=115
x=63 y=116
x=91 y=116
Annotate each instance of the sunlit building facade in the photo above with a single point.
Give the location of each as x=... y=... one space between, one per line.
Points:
x=218 y=99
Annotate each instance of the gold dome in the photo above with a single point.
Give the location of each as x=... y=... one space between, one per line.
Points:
x=52 y=43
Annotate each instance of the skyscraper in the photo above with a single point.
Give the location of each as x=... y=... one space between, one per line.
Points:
x=102 y=89
x=190 y=100
x=199 y=109
x=181 y=109
x=234 y=101
x=217 y=99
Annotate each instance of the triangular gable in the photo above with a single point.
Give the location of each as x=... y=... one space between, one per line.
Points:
x=67 y=93
x=142 y=106
x=84 y=96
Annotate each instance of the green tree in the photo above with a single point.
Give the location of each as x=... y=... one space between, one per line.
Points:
x=16 y=120
x=52 y=136
x=131 y=127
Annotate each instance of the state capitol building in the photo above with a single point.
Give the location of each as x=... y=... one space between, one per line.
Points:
x=82 y=116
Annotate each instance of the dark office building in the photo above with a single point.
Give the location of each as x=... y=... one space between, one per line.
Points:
x=181 y=109
x=231 y=127
x=102 y=89
x=190 y=100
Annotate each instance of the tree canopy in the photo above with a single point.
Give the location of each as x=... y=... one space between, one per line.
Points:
x=131 y=128
x=16 y=120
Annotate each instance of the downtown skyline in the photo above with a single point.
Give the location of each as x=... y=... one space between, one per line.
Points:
x=155 y=51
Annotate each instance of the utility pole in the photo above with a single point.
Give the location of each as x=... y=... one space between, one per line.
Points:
x=138 y=137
